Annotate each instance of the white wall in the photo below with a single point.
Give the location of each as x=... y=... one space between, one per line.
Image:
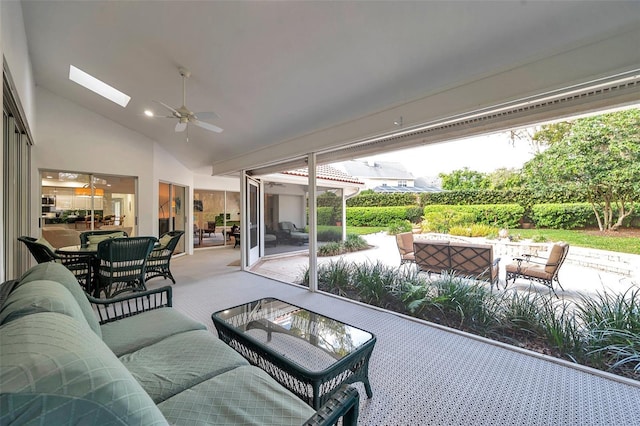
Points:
x=291 y=208
x=73 y=138
x=14 y=49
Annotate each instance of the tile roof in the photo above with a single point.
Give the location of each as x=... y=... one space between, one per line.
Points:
x=326 y=172
x=417 y=189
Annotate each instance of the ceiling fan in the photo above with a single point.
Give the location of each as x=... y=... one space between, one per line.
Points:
x=185 y=116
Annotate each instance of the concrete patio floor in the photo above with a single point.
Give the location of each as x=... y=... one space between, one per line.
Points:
x=576 y=279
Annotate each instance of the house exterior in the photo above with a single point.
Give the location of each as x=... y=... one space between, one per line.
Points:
x=384 y=176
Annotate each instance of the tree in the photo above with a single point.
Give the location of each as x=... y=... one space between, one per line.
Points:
x=464 y=179
x=598 y=156
x=503 y=178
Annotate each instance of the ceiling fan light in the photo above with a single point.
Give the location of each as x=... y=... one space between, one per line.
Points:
x=148 y=113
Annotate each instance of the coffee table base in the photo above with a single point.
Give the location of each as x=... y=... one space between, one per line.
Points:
x=313 y=388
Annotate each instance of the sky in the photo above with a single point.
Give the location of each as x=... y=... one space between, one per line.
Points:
x=483 y=153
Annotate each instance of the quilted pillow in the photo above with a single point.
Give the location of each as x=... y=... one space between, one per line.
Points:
x=40 y=296
x=60 y=274
x=53 y=372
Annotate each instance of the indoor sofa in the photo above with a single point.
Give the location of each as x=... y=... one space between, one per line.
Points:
x=134 y=360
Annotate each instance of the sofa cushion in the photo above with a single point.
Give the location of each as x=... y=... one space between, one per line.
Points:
x=40 y=296
x=179 y=362
x=244 y=396
x=53 y=372
x=60 y=274
x=145 y=329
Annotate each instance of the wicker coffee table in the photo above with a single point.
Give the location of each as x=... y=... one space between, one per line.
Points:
x=308 y=353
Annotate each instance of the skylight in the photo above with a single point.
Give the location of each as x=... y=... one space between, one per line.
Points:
x=97 y=86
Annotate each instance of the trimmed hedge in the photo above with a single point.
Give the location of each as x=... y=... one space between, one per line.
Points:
x=503 y=215
x=392 y=199
x=376 y=216
x=524 y=197
x=563 y=216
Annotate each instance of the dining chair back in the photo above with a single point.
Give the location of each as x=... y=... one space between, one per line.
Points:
x=158 y=263
x=122 y=265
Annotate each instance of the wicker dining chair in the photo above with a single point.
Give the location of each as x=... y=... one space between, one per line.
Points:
x=159 y=261
x=122 y=265
x=42 y=252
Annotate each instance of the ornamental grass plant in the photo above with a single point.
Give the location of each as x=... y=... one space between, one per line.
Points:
x=602 y=331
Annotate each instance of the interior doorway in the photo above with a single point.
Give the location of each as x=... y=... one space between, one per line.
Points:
x=171 y=211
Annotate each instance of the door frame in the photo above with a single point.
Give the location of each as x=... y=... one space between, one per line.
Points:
x=252 y=231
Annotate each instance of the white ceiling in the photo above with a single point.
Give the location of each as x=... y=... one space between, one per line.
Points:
x=274 y=71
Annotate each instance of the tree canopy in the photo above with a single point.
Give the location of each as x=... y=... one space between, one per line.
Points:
x=598 y=156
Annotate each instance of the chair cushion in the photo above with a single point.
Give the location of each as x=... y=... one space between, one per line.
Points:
x=242 y=396
x=529 y=269
x=164 y=240
x=404 y=241
x=54 y=372
x=179 y=362
x=95 y=239
x=40 y=296
x=554 y=257
x=45 y=243
x=133 y=333
x=60 y=274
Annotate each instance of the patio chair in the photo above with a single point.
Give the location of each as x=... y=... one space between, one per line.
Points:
x=122 y=265
x=43 y=252
x=405 y=247
x=293 y=234
x=158 y=263
x=94 y=237
x=544 y=272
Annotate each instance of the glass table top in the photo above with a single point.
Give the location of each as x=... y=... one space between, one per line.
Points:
x=289 y=330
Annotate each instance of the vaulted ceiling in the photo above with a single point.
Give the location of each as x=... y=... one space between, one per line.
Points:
x=275 y=71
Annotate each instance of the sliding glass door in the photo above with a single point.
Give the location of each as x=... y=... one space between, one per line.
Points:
x=171 y=211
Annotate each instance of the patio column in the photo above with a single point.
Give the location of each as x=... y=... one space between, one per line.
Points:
x=344 y=215
x=313 y=240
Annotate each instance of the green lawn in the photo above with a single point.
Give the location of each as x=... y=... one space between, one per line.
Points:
x=583 y=239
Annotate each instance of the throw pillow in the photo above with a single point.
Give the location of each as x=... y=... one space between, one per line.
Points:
x=46 y=243
x=95 y=239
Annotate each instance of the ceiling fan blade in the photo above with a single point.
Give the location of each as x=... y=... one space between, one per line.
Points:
x=209 y=115
x=180 y=126
x=207 y=126
x=173 y=110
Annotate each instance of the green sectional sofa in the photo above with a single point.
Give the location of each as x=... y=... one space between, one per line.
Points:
x=67 y=358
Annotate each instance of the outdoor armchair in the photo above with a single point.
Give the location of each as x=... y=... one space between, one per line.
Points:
x=158 y=263
x=122 y=265
x=542 y=271
x=405 y=247
x=43 y=252
x=289 y=232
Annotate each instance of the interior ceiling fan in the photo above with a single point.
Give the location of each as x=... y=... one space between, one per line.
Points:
x=185 y=116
